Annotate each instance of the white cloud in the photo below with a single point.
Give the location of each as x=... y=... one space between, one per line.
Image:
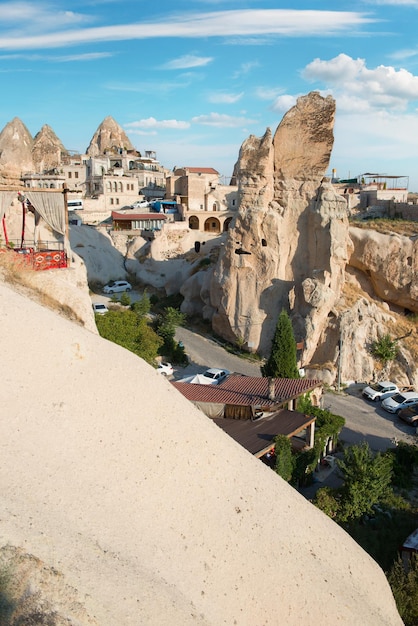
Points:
x=187 y=61
x=242 y=23
x=225 y=98
x=28 y=17
x=282 y=104
x=151 y=122
x=268 y=93
x=220 y=120
x=396 y=3
x=383 y=86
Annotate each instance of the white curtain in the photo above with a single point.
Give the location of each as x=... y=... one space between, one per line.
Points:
x=50 y=207
x=6 y=199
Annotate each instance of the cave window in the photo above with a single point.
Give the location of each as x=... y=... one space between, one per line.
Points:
x=264 y=243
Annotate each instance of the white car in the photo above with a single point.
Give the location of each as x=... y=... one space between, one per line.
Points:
x=214 y=376
x=100 y=308
x=117 y=285
x=165 y=369
x=380 y=391
x=399 y=401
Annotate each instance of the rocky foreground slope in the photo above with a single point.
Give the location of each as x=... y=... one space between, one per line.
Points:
x=145 y=507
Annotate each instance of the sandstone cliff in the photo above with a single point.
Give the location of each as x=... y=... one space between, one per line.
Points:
x=16 y=145
x=289 y=244
x=109 y=137
x=47 y=150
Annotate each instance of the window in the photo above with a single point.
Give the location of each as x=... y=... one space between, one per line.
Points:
x=70 y=174
x=75 y=174
x=111 y=200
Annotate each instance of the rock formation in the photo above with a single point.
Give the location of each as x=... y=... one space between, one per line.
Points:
x=47 y=150
x=146 y=507
x=391 y=264
x=289 y=245
x=16 y=145
x=109 y=137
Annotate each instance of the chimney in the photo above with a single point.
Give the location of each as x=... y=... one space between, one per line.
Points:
x=272 y=394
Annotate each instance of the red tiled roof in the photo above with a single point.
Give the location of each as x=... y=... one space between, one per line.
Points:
x=202 y=170
x=247 y=390
x=138 y=216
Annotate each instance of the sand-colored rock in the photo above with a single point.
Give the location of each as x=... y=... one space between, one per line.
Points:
x=391 y=264
x=146 y=507
x=48 y=150
x=16 y=144
x=289 y=244
x=109 y=137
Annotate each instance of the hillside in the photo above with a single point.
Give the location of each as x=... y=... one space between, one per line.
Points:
x=148 y=509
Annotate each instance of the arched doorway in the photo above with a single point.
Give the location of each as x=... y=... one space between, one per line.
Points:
x=193 y=222
x=212 y=225
x=227 y=223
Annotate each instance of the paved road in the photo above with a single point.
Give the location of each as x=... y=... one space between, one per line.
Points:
x=204 y=353
x=365 y=421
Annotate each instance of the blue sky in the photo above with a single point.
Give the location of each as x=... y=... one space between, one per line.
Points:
x=192 y=80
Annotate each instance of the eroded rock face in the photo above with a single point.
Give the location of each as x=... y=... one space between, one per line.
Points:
x=391 y=264
x=34 y=593
x=108 y=137
x=289 y=244
x=16 y=145
x=47 y=149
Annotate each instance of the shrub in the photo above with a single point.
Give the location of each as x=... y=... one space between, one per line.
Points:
x=284 y=459
x=384 y=349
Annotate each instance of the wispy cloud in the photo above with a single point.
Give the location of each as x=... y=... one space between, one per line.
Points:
x=27 y=17
x=148 y=87
x=187 y=61
x=268 y=93
x=396 y=3
x=243 y=23
x=152 y=123
x=225 y=98
x=245 y=68
x=222 y=121
x=45 y=58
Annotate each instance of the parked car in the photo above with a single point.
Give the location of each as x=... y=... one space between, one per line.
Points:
x=117 y=285
x=380 y=391
x=214 y=376
x=399 y=401
x=165 y=369
x=410 y=415
x=100 y=308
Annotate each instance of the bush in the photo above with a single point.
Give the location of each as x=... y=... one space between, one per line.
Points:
x=404 y=584
x=284 y=458
x=385 y=349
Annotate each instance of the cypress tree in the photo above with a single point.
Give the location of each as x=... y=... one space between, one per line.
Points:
x=282 y=362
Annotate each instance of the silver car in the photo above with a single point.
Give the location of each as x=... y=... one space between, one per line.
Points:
x=380 y=391
x=400 y=401
x=117 y=285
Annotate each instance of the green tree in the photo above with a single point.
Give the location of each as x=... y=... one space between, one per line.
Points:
x=404 y=584
x=367 y=481
x=143 y=306
x=282 y=362
x=131 y=332
x=166 y=328
x=284 y=458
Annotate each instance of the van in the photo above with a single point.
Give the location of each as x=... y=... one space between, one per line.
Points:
x=75 y=205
